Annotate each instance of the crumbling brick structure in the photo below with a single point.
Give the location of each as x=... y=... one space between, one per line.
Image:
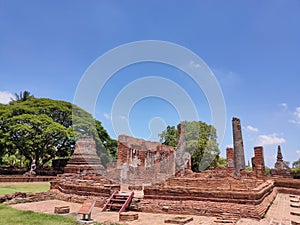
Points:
x=144 y=162
x=83 y=176
x=211 y=193
x=258 y=163
x=230 y=159
x=218 y=192
x=84 y=158
x=238 y=146
x=183 y=158
x=280 y=168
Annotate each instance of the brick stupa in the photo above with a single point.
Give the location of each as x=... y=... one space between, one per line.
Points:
x=84 y=176
x=281 y=169
x=84 y=158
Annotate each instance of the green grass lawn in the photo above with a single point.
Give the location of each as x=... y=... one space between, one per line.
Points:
x=30 y=188
x=10 y=216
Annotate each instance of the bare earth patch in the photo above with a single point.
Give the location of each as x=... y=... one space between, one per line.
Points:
x=278 y=212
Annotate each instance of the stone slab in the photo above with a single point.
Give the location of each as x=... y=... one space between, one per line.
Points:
x=128 y=216
x=61 y=209
x=179 y=220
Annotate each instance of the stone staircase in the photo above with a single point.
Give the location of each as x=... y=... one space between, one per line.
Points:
x=118 y=201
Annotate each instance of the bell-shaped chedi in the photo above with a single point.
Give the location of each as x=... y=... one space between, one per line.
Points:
x=281 y=168
x=84 y=158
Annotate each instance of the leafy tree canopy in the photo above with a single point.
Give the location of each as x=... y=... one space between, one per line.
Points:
x=201 y=143
x=296 y=164
x=42 y=129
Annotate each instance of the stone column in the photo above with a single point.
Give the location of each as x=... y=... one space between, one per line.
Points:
x=239 y=157
x=180 y=147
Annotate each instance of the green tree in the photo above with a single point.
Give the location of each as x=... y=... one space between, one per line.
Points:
x=201 y=143
x=43 y=129
x=169 y=136
x=296 y=164
x=22 y=97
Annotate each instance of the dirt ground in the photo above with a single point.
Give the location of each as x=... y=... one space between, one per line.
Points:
x=279 y=213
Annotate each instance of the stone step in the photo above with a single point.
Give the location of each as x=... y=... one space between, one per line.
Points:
x=115 y=205
x=295 y=213
x=118 y=200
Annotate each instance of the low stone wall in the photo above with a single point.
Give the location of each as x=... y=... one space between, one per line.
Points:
x=208 y=208
x=242 y=196
x=254 y=203
x=20 y=197
x=13 y=171
x=215 y=183
x=100 y=200
x=23 y=178
x=79 y=187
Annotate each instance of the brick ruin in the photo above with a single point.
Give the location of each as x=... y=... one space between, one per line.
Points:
x=281 y=169
x=222 y=191
x=183 y=158
x=215 y=192
x=84 y=158
x=83 y=176
x=238 y=145
x=144 y=162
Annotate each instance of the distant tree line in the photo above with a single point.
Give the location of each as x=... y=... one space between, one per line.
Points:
x=43 y=129
x=201 y=143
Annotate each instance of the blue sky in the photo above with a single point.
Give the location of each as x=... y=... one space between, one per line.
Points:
x=251 y=46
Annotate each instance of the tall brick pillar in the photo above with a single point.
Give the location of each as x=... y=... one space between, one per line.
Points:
x=230 y=159
x=239 y=157
x=183 y=158
x=259 y=162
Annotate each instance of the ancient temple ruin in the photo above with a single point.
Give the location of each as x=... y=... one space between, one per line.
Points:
x=84 y=158
x=238 y=146
x=83 y=176
x=230 y=191
x=144 y=162
x=281 y=169
x=183 y=158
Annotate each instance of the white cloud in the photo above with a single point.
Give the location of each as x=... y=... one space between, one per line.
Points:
x=297 y=113
x=229 y=146
x=253 y=129
x=298 y=153
x=107 y=116
x=284 y=105
x=5 y=97
x=296 y=116
x=271 y=139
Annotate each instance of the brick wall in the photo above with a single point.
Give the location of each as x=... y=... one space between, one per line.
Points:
x=144 y=162
x=230 y=159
